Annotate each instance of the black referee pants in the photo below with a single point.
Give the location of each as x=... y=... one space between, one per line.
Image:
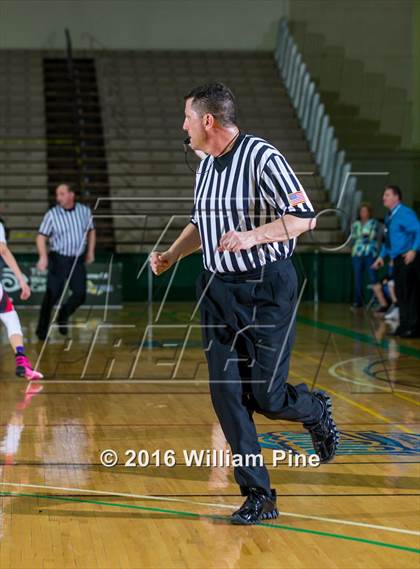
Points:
x=407 y=289
x=59 y=269
x=248 y=332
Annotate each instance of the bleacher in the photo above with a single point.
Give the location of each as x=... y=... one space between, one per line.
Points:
x=367 y=113
x=23 y=166
x=141 y=95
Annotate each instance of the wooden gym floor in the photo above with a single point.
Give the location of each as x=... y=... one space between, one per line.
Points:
x=60 y=508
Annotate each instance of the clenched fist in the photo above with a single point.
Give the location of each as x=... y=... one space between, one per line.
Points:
x=235 y=241
x=161 y=262
x=25 y=291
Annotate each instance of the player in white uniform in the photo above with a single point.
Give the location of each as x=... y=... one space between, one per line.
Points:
x=8 y=314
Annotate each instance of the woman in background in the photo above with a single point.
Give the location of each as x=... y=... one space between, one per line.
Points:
x=364 y=251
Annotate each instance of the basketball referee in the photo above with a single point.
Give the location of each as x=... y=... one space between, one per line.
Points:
x=68 y=226
x=249 y=208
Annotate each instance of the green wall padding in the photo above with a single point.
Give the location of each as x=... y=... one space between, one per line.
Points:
x=330 y=273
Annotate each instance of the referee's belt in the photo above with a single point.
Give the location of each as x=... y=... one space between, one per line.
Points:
x=69 y=257
x=253 y=274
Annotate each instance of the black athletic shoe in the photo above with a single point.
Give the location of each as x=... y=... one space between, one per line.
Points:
x=325 y=435
x=409 y=334
x=63 y=326
x=258 y=506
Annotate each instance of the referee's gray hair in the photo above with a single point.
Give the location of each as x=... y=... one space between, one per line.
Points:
x=215 y=99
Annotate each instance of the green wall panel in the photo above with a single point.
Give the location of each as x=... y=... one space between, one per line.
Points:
x=329 y=273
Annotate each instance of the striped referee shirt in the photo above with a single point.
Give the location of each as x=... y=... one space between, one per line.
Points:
x=67 y=229
x=249 y=186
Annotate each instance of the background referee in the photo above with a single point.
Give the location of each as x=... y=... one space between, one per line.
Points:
x=249 y=208
x=68 y=226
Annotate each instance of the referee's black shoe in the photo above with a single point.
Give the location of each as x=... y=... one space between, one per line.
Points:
x=258 y=506
x=42 y=336
x=63 y=327
x=325 y=435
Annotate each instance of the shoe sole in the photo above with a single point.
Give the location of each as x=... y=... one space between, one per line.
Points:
x=328 y=402
x=237 y=520
x=270 y=515
x=327 y=399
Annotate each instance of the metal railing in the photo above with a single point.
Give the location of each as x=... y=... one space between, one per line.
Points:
x=335 y=171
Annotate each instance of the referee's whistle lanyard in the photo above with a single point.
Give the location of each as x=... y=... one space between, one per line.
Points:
x=388 y=219
x=393 y=212
x=225 y=149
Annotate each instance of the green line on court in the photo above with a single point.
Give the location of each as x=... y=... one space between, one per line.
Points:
x=212 y=517
x=365 y=338
x=341 y=331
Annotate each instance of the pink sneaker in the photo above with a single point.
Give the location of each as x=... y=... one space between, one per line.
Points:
x=24 y=369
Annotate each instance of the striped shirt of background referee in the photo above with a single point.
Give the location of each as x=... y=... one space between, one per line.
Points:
x=69 y=228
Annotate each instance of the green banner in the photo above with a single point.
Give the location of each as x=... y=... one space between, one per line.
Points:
x=104 y=284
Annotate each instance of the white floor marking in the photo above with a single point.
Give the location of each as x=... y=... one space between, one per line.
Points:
x=359 y=381
x=209 y=504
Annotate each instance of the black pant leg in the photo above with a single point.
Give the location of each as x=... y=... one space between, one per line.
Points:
x=402 y=290
x=413 y=294
x=56 y=280
x=77 y=286
x=273 y=337
x=228 y=392
x=416 y=306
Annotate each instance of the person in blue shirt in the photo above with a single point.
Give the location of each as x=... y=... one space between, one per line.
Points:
x=364 y=251
x=402 y=245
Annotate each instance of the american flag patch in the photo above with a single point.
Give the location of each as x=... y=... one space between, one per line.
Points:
x=296 y=198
